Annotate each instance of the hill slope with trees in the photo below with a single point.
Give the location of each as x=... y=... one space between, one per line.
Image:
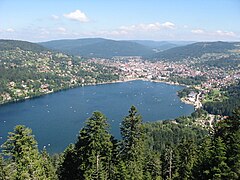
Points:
x=29 y=70
x=195 y=50
x=98 y=47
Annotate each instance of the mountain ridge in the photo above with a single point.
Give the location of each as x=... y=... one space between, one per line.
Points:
x=98 y=47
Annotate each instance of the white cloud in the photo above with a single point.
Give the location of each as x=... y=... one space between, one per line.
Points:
x=10 y=30
x=214 y=34
x=62 y=30
x=225 y=33
x=168 y=25
x=149 y=27
x=77 y=16
x=197 y=31
x=55 y=17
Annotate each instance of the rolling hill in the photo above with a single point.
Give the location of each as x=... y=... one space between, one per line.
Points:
x=195 y=50
x=162 y=45
x=24 y=45
x=98 y=47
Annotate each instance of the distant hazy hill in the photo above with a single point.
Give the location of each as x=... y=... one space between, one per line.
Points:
x=99 y=47
x=24 y=45
x=195 y=50
x=162 y=45
x=157 y=45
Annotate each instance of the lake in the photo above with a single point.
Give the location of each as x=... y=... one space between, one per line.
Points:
x=57 y=118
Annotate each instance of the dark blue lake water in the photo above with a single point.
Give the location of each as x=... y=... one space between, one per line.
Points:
x=57 y=118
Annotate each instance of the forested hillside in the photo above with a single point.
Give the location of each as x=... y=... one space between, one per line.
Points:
x=29 y=70
x=178 y=149
x=98 y=47
x=24 y=45
x=227 y=100
x=195 y=50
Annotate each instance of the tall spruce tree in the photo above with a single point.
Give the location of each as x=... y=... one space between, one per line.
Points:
x=69 y=167
x=48 y=166
x=25 y=160
x=229 y=131
x=3 y=175
x=187 y=153
x=201 y=169
x=132 y=145
x=94 y=148
x=218 y=167
x=152 y=165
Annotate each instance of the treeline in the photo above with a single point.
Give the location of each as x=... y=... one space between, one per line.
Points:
x=196 y=80
x=226 y=106
x=142 y=153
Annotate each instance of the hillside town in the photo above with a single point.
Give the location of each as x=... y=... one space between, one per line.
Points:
x=44 y=73
x=185 y=73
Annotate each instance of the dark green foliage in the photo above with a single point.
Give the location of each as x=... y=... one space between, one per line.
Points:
x=186 y=91
x=226 y=106
x=48 y=166
x=198 y=113
x=25 y=162
x=132 y=135
x=94 y=148
x=218 y=168
x=161 y=134
x=69 y=165
x=201 y=169
x=168 y=157
x=196 y=80
x=132 y=145
x=219 y=157
x=24 y=45
x=153 y=151
x=3 y=174
x=229 y=131
x=187 y=154
x=152 y=165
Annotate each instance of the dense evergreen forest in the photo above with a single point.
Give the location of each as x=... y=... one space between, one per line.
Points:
x=225 y=106
x=178 y=149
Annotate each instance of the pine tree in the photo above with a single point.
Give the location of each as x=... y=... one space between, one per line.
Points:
x=69 y=167
x=94 y=148
x=201 y=169
x=3 y=175
x=219 y=168
x=21 y=149
x=187 y=152
x=229 y=131
x=132 y=145
x=152 y=166
x=167 y=165
x=48 y=166
x=170 y=162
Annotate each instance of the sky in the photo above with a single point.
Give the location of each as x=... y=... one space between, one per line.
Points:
x=159 y=20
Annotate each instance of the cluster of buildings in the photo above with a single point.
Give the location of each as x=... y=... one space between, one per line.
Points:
x=135 y=67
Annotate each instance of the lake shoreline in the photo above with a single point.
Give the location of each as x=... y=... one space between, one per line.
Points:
x=65 y=112
x=95 y=84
